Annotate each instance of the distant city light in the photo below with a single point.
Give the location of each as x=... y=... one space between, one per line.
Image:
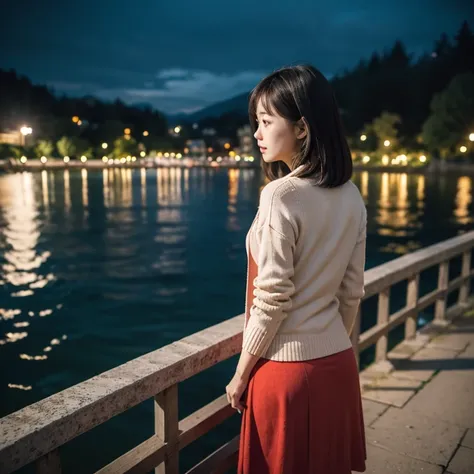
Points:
x=227 y=146
x=363 y=138
x=173 y=155
x=385 y=160
x=366 y=159
x=75 y=119
x=127 y=131
x=195 y=126
x=104 y=145
x=237 y=158
x=23 y=159
x=134 y=158
x=219 y=159
x=186 y=151
x=179 y=156
x=111 y=161
x=66 y=159
x=142 y=154
x=123 y=160
x=232 y=153
x=44 y=159
x=26 y=130
x=177 y=129
x=422 y=158
x=386 y=142
x=463 y=149
x=83 y=158
x=105 y=159
x=127 y=137
x=145 y=133
x=167 y=155
x=210 y=149
x=79 y=123
x=471 y=137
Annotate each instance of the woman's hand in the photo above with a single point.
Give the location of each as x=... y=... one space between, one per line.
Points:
x=235 y=390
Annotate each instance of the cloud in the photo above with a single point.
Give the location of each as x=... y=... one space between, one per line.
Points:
x=172 y=73
x=198 y=87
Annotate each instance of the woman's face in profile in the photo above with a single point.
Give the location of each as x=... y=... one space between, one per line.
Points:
x=276 y=136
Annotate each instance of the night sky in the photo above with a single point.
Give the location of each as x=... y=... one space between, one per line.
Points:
x=180 y=56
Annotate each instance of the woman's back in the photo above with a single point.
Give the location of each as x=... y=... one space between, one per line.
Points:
x=326 y=227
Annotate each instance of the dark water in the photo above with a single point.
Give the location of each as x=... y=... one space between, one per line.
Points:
x=98 y=268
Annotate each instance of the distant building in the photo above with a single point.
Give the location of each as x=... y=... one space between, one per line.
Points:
x=11 y=138
x=196 y=148
x=247 y=143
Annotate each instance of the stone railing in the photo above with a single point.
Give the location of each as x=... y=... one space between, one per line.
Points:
x=36 y=433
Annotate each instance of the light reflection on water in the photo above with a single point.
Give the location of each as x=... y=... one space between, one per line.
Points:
x=100 y=267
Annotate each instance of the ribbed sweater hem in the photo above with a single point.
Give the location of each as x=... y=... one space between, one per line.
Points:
x=299 y=347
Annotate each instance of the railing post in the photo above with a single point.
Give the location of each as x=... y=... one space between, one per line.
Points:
x=465 y=272
x=412 y=301
x=382 y=318
x=440 y=307
x=355 y=334
x=50 y=463
x=167 y=428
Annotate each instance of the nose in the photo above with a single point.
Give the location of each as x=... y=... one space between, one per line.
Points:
x=257 y=134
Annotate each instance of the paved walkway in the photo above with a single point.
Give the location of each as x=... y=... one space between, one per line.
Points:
x=420 y=416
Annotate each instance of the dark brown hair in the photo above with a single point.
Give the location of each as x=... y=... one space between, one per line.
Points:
x=302 y=92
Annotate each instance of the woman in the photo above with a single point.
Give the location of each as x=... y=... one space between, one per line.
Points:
x=297 y=383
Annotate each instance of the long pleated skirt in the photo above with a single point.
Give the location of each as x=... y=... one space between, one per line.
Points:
x=303 y=418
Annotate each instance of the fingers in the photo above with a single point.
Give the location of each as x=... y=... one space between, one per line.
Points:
x=237 y=405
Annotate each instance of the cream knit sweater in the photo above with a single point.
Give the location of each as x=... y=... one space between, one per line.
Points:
x=309 y=245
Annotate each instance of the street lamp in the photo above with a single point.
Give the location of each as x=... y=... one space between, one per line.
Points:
x=104 y=145
x=25 y=131
x=386 y=142
x=363 y=138
x=471 y=137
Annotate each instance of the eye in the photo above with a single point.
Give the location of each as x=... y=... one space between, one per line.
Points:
x=265 y=122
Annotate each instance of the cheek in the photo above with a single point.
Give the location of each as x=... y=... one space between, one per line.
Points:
x=284 y=139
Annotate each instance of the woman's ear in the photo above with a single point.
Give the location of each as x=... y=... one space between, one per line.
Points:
x=301 y=129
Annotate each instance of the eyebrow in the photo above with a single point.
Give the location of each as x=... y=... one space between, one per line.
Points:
x=263 y=113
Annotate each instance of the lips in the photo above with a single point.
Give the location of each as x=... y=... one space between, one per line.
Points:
x=263 y=149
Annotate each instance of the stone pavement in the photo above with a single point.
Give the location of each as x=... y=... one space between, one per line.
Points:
x=419 y=406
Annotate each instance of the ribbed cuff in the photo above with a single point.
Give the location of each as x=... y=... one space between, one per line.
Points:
x=257 y=340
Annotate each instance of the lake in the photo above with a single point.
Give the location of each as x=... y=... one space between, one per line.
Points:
x=100 y=267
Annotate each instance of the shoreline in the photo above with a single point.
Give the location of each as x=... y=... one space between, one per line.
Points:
x=35 y=165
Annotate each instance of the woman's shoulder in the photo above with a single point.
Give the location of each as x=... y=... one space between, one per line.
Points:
x=279 y=190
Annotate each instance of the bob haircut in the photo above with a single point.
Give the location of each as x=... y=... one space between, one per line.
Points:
x=303 y=93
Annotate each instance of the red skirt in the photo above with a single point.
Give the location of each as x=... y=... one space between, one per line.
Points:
x=303 y=418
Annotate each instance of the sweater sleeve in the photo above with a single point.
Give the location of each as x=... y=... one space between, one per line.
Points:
x=352 y=290
x=276 y=233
